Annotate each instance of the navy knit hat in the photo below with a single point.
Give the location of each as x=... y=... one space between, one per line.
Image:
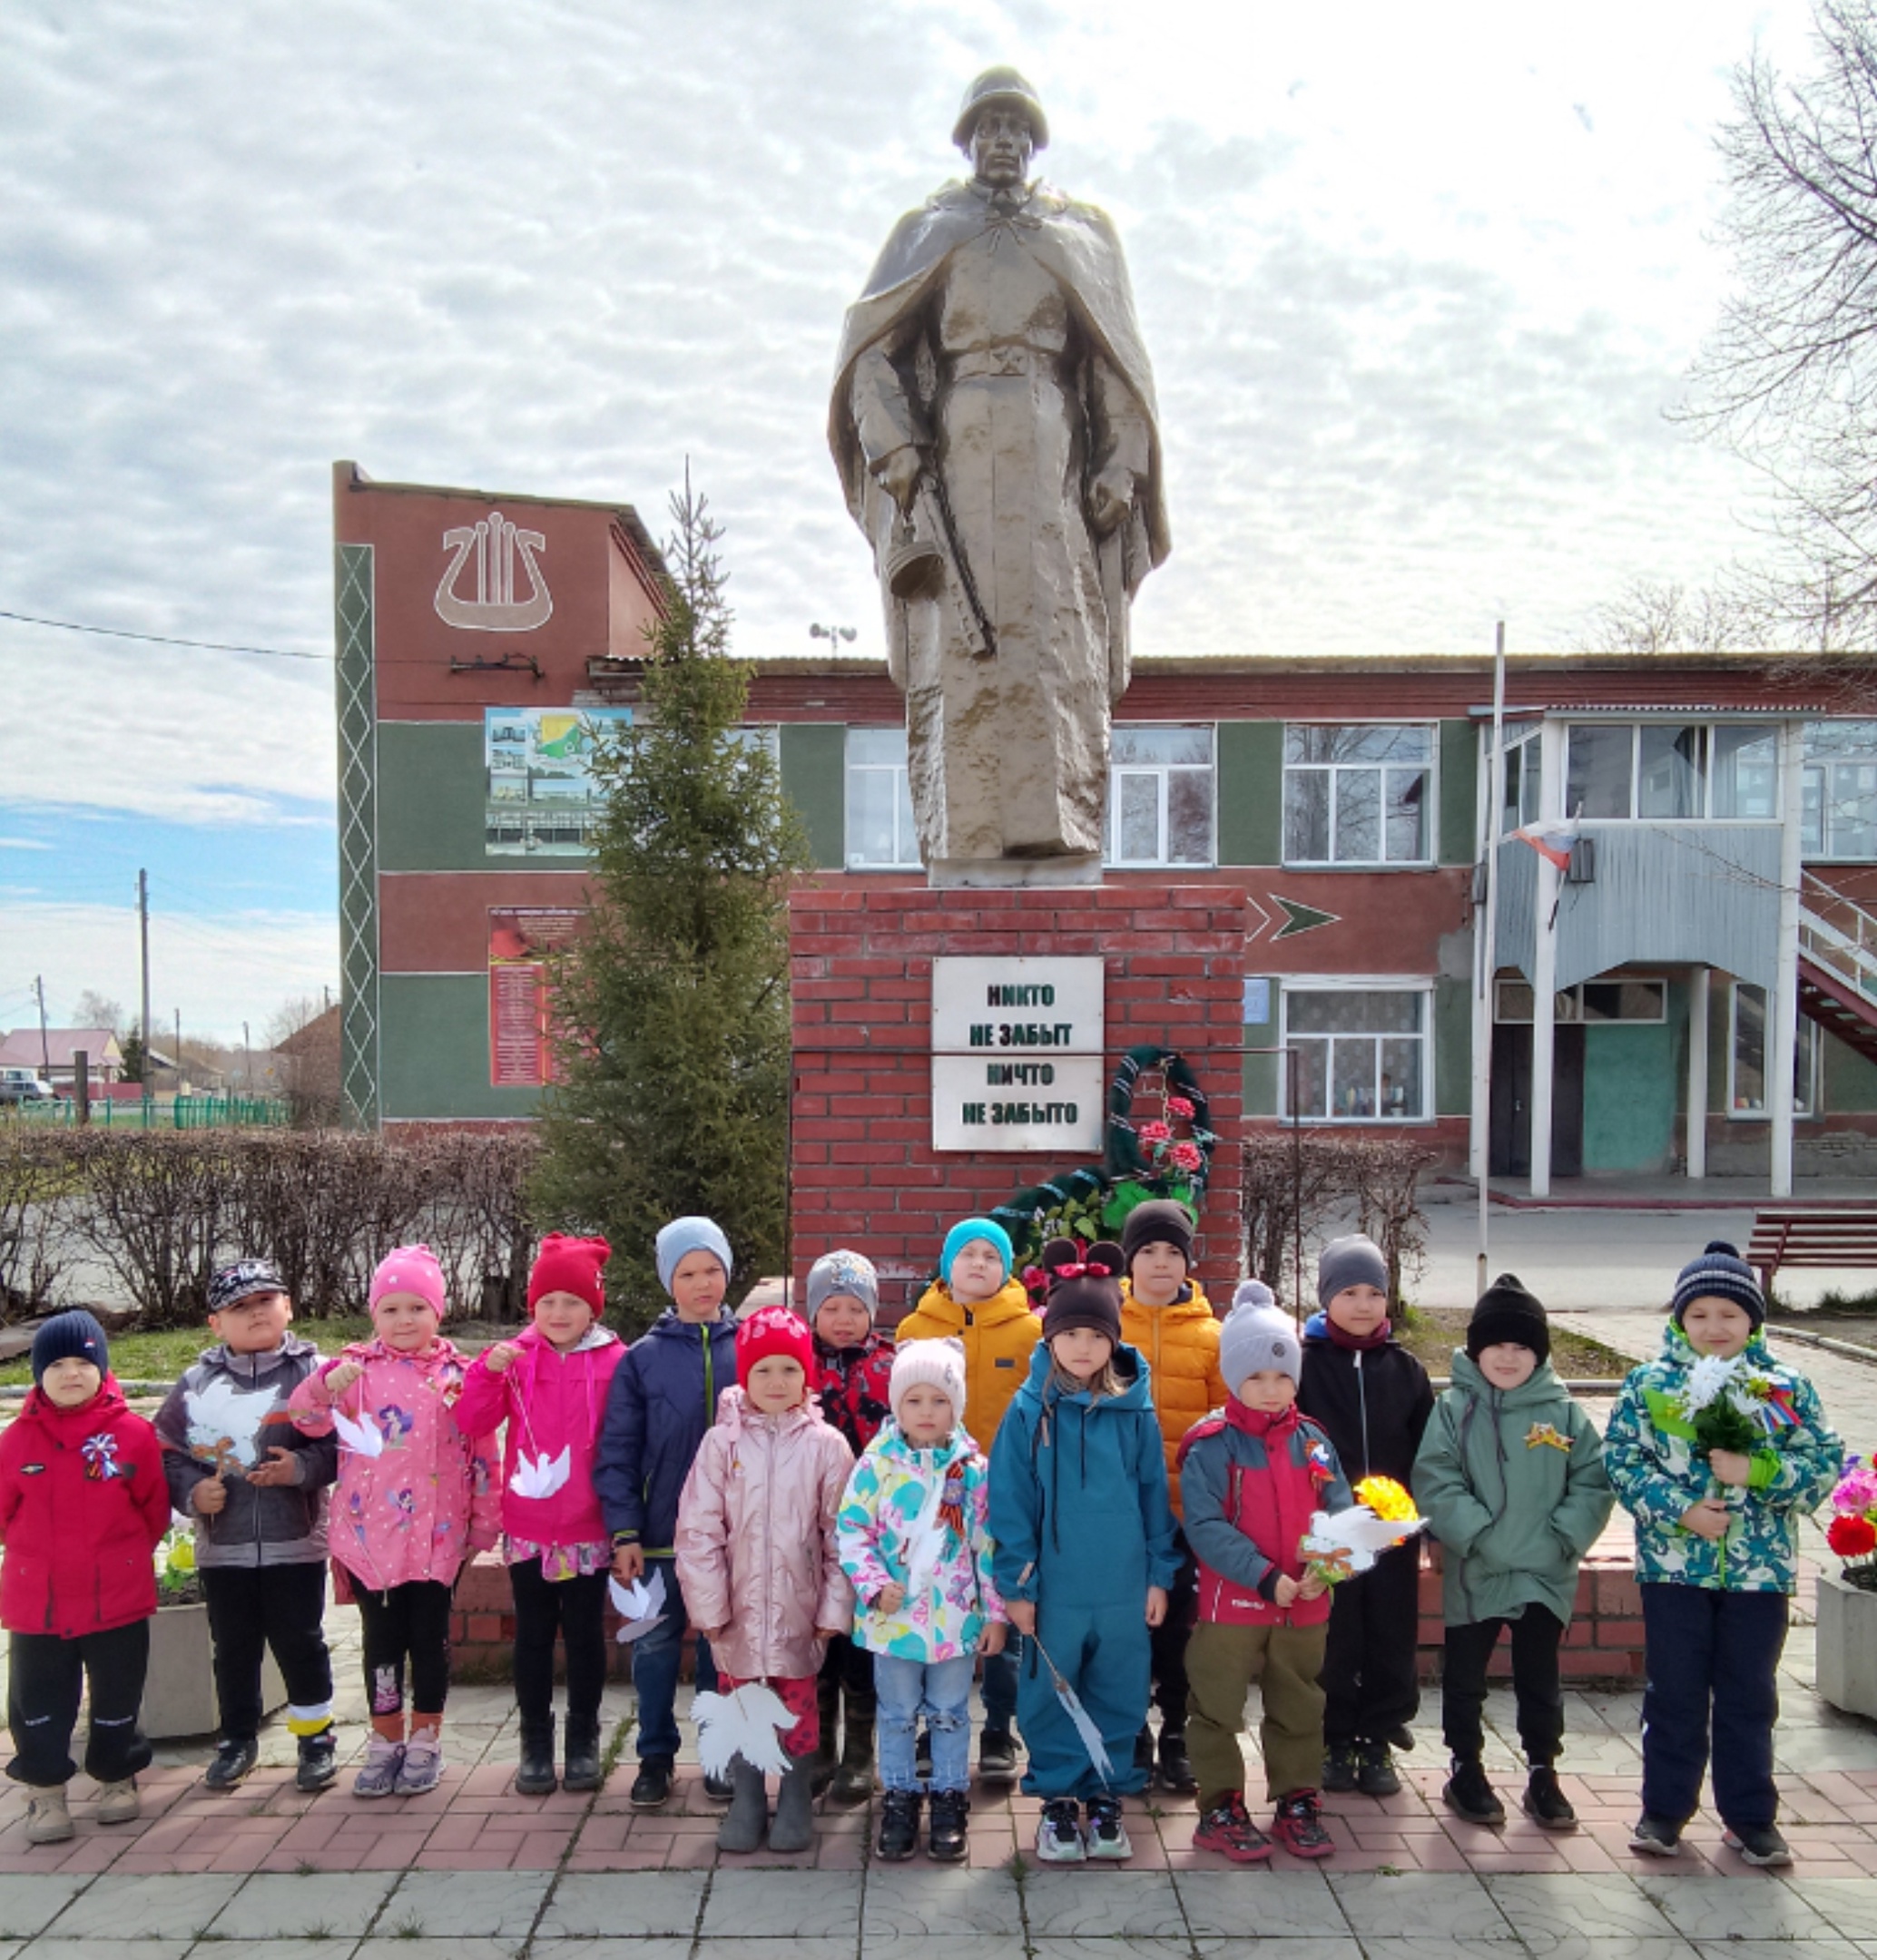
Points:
x=70 y=1336
x=1719 y=1273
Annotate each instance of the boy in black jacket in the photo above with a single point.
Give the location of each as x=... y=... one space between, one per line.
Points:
x=1373 y=1398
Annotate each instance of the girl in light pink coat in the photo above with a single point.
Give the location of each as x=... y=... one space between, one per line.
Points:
x=416 y=1498
x=757 y=1559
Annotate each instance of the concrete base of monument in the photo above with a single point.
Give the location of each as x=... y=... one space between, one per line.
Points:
x=1007 y=874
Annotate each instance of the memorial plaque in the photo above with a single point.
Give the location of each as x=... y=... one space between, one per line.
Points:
x=1017 y=1054
x=982 y=1103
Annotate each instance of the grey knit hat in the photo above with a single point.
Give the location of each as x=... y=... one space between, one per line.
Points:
x=1254 y=1339
x=1355 y=1260
x=1719 y=1273
x=841 y=1271
x=1253 y=1293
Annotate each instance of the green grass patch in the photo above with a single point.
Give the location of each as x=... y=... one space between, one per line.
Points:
x=164 y=1356
x=1432 y=1333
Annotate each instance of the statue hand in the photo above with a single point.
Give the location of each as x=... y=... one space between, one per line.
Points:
x=899 y=473
x=1110 y=498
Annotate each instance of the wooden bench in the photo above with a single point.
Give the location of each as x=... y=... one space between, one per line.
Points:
x=1812 y=1235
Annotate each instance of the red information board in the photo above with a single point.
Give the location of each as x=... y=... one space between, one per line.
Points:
x=522 y=942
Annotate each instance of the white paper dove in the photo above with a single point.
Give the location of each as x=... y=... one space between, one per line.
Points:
x=542 y=1476
x=1085 y=1723
x=748 y=1722
x=640 y=1605
x=924 y=1543
x=1354 y=1537
x=223 y=1423
x=363 y=1439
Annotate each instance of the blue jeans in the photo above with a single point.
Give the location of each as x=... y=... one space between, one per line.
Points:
x=655 y=1658
x=940 y=1690
x=1000 y=1684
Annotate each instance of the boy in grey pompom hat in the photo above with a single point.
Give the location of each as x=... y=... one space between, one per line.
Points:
x=1255 y=1338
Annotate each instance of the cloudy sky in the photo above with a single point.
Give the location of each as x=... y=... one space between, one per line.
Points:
x=1418 y=283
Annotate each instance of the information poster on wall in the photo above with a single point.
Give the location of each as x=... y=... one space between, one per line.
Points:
x=1017 y=1054
x=541 y=797
x=523 y=941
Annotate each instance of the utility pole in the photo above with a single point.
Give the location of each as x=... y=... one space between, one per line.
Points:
x=44 y=1051
x=246 y=1063
x=178 y=1013
x=144 y=935
x=1487 y=953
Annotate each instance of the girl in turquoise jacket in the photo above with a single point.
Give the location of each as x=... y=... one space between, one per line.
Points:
x=1085 y=1549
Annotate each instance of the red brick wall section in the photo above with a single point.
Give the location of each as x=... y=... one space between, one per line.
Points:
x=862 y=1170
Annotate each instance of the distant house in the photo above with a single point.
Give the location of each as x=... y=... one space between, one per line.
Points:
x=50 y=1054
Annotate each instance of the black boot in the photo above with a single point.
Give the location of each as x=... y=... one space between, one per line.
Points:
x=1144 y=1749
x=827 y=1753
x=853 y=1781
x=319 y=1760
x=948 y=1841
x=582 y=1770
x=899 y=1826
x=535 y=1777
x=1176 y=1764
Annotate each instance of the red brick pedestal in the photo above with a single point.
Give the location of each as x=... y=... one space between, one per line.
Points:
x=862 y=1169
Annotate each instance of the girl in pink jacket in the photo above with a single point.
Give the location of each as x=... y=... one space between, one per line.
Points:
x=549 y=1385
x=757 y=1560
x=416 y=1498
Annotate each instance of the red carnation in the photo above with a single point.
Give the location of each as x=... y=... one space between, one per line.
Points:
x=1155 y=1132
x=1186 y=1156
x=1851 y=1537
x=1177 y=1105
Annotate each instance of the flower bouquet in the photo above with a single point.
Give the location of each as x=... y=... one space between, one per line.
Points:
x=1852 y=1532
x=1340 y=1544
x=1731 y=1406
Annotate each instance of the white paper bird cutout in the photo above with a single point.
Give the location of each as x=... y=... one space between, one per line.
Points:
x=924 y=1543
x=363 y=1439
x=748 y=1722
x=640 y=1605
x=542 y=1476
x=224 y=1423
x=1352 y=1538
x=1085 y=1722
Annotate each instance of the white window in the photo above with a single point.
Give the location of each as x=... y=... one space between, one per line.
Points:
x=1357 y=795
x=1160 y=796
x=1747 y=1056
x=1524 y=783
x=1841 y=789
x=1665 y=771
x=1362 y=1051
x=880 y=836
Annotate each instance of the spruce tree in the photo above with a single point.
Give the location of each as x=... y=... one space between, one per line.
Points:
x=674 y=1004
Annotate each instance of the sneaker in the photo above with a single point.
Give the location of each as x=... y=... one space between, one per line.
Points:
x=1468 y=1794
x=1298 y=1828
x=997 y=1756
x=49 y=1816
x=1339 y=1767
x=1758 y=1844
x=1107 y=1835
x=378 y=1777
x=1545 y=1804
x=947 y=1842
x=1375 y=1771
x=118 y=1802
x=232 y=1763
x=1656 y=1837
x=421 y=1769
x=718 y=1789
x=319 y=1762
x=1227 y=1827
x=899 y=1826
x=1143 y=1749
x=1176 y=1764
x=652 y=1786
x=1059 y=1833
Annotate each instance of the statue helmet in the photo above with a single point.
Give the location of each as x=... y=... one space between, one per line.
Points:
x=998 y=88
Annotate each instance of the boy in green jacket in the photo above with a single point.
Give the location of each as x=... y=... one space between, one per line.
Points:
x=1511 y=1478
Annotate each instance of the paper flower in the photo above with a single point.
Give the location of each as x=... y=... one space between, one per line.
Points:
x=1185 y=1157
x=1856 y=1491
x=1387 y=1499
x=1851 y=1537
x=1179 y=1107
x=542 y=1476
x=1153 y=1132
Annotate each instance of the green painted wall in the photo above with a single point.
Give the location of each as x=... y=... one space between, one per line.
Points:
x=1453 y=1047
x=1251 y=762
x=1850 y=1081
x=1629 y=1096
x=1456 y=842
x=435 y=1050
x=432 y=799
x=814 y=779
x=1260 y=1071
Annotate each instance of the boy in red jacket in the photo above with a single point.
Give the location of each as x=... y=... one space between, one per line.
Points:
x=82 y=1505
x=1250 y=1478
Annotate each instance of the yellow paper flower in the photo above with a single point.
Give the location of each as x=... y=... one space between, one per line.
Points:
x=1387 y=1499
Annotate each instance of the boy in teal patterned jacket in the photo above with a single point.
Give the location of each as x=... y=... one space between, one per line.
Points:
x=1716 y=1556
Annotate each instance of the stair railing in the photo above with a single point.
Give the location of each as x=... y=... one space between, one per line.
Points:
x=1846 y=947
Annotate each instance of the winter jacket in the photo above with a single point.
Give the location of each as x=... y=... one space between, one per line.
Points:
x=1252 y=1482
x=228 y=1411
x=1651 y=1457
x=1511 y=1483
x=551 y=1402
x=82 y=1505
x=1181 y=1343
x=1372 y=1403
x=756 y=1540
x=1079 y=1500
x=999 y=1334
x=887 y=1498
x=851 y=1382
x=663 y=1399
x=433 y=1498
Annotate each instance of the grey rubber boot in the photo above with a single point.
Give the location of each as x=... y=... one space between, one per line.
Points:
x=743 y=1826
x=794 y=1825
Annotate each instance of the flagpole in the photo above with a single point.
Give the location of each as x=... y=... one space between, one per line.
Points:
x=1488 y=965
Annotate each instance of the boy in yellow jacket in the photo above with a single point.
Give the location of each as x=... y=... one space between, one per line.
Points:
x=1164 y=1315
x=976 y=1301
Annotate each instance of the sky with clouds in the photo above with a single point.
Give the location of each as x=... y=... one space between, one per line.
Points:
x=1417 y=284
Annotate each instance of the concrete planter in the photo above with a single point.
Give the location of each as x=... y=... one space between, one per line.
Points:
x=1847 y=1646
x=179 y=1691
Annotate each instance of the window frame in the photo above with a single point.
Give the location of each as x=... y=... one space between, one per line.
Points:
x=1817 y=768
x=1429 y=809
x=1706 y=727
x=1163 y=772
x=1289 y=985
x=1807 y=1048
x=902 y=808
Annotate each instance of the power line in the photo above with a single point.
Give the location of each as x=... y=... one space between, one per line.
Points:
x=206 y=646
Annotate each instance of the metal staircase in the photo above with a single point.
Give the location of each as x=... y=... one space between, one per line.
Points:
x=1838 y=965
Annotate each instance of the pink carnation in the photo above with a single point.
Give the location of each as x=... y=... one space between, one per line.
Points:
x=1178 y=1106
x=1187 y=1156
x=1155 y=1132
x=1856 y=1491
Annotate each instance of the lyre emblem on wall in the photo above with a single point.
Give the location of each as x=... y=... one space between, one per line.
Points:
x=492 y=544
